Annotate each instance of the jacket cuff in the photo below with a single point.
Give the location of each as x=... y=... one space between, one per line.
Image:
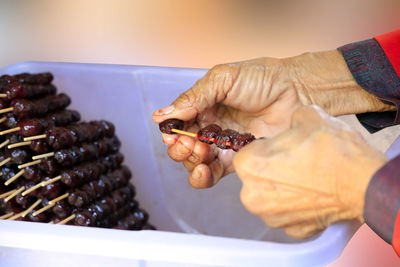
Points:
x=373 y=71
x=382 y=200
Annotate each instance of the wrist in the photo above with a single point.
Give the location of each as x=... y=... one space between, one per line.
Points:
x=362 y=176
x=323 y=79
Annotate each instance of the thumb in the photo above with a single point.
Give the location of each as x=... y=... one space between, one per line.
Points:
x=208 y=91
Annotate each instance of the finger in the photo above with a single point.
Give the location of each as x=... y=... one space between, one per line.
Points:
x=206 y=176
x=207 y=91
x=201 y=154
x=303 y=230
x=170 y=139
x=182 y=149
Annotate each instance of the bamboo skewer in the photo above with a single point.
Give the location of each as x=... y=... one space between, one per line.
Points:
x=4 y=143
x=36 y=213
x=12 y=130
x=29 y=164
x=4 y=161
x=5 y=110
x=51 y=204
x=42 y=184
x=34 y=205
x=26 y=212
x=59 y=198
x=184 y=132
x=67 y=219
x=6 y=194
x=3 y=95
x=35 y=137
x=16 y=216
x=46 y=155
x=196 y=136
x=16 y=192
x=3 y=119
x=19 y=144
x=15 y=177
x=5 y=216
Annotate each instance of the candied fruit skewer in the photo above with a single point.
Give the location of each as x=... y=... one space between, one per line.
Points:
x=35 y=126
x=108 y=182
x=85 y=152
x=23 y=90
x=64 y=137
x=80 y=174
x=24 y=108
x=103 y=207
x=211 y=134
x=38 y=78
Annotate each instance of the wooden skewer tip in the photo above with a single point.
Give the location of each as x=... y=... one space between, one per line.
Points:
x=42 y=184
x=35 y=137
x=54 y=201
x=55 y=179
x=34 y=205
x=26 y=143
x=3 y=119
x=5 y=110
x=6 y=194
x=16 y=192
x=4 y=143
x=4 y=161
x=15 y=177
x=16 y=216
x=184 y=132
x=12 y=130
x=70 y=218
x=29 y=164
x=5 y=216
x=3 y=95
x=36 y=213
x=46 y=155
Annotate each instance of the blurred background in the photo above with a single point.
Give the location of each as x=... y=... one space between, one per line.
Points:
x=196 y=34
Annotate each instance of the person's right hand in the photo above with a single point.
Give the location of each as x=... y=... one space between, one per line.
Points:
x=257 y=96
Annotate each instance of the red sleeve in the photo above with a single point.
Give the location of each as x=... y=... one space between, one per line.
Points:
x=390 y=43
x=396 y=235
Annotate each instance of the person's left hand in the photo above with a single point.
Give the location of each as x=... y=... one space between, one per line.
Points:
x=312 y=175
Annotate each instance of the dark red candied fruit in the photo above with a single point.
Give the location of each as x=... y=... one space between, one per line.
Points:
x=207 y=133
x=241 y=140
x=30 y=127
x=225 y=138
x=167 y=125
x=40 y=146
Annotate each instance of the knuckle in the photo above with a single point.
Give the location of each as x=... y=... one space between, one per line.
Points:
x=194 y=158
x=186 y=99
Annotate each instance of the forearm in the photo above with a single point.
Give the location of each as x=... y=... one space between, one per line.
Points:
x=324 y=79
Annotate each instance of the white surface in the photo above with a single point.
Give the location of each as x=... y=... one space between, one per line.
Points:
x=127 y=95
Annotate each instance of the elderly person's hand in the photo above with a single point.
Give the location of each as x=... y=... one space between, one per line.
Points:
x=258 y=96
x=312 y=175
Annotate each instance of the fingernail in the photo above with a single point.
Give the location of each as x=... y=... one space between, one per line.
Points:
x=164 y=111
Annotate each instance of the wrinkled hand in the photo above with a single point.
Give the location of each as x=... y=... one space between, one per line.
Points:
x=258 y=96
x=254 y=96
x=312 y=175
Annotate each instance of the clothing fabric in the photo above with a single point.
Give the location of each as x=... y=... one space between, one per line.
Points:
x=375 y=65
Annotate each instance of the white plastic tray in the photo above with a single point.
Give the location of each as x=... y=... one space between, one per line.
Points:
x=217 y=230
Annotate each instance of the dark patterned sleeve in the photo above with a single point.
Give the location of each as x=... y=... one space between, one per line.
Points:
x=374 y=71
